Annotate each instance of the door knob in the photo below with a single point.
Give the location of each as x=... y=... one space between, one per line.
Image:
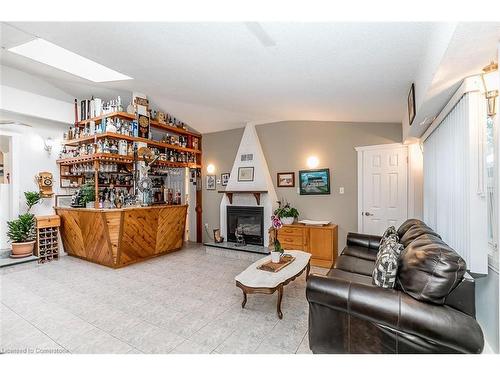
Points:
x=368 y=214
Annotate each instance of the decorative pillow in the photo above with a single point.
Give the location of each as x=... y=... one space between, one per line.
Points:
x=386 y=265
x=389 y=234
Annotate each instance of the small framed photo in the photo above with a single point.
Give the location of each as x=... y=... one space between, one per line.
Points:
x=211 y=182
x=411 y=104
x=314 y=181
x=286 y=179
x=224 y=178
x=245 y=174
x=63 y=200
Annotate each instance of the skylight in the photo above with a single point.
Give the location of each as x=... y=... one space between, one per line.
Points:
x=48 y=53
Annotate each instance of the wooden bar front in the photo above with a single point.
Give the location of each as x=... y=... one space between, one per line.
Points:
x=119 y=237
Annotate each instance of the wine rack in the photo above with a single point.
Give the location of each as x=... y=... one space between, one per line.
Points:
x=47 y=238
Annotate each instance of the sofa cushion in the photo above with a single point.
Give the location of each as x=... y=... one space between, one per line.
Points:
x=349 y=276
x=415 y=232
x=429 y=269
x=407 y=225
x=360 y=252
x=355 y=265
x=386 y=266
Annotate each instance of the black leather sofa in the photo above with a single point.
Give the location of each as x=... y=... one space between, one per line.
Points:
x=431 y=310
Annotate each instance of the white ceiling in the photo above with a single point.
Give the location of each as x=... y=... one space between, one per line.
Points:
x=218 y=76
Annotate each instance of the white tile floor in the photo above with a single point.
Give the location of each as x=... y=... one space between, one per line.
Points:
x=184 y=302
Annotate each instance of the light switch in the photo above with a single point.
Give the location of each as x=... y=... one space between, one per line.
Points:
x=341 y=190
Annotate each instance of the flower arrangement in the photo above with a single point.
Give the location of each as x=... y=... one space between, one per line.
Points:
x=286 y=212
x=277 y=224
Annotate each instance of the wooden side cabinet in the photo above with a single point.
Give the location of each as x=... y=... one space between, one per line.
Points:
x=321 y=242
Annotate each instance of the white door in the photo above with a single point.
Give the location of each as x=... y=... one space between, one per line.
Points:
x=383 y=179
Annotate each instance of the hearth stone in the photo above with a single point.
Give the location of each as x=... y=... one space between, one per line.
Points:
x=230 y=250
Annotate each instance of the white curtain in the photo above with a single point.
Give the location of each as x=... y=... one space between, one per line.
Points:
x=454 y=186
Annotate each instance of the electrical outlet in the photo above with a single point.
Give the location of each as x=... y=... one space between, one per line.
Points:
x=341 y=190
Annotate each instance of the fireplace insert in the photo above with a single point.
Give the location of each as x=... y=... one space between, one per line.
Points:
x=251 y=221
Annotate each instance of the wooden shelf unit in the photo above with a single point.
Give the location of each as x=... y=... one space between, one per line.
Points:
x=149 y=142
x=155 y=124
x=120 y=159
x=96 y=159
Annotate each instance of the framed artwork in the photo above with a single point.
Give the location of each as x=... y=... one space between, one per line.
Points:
x=245 y=174
x=63 y=200
x=286 y=179
x=224 y=178
x=314 y=181
x=411 y=104
x=211 y=182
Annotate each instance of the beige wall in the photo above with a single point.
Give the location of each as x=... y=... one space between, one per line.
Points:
x=286 y=147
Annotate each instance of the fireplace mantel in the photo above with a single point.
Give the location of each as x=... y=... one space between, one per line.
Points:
x=256 y=194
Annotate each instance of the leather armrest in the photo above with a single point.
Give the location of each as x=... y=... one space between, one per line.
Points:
x=363 y=240
x=397 y=310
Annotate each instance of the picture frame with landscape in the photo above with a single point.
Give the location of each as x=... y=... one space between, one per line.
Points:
x=286 y=179
x=314 y=181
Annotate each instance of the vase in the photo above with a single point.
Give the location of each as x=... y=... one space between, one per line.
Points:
x=275 y=256
x=287 y=220
x=22 y=249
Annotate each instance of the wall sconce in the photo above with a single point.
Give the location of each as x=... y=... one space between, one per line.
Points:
x=210 y=168
x=312 y=162
x=48 y=144
x=491 y=81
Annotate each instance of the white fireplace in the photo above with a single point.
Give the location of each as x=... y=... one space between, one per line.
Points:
x=250 y=155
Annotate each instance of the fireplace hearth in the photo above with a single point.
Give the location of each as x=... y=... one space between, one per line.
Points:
x=250 y=220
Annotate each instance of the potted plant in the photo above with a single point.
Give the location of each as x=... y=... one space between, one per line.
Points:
x=286 y=213
x=278 y=250
x=21 y=231
x=87 y=194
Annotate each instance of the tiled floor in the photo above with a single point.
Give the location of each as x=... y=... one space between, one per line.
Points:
x=184 y=302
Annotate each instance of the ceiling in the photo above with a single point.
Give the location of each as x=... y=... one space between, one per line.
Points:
x=218 y=76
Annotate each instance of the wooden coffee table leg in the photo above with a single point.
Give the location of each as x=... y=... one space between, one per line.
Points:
x=280 y=296
x=244 y=299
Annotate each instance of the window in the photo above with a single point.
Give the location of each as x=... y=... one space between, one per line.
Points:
x=491 y=189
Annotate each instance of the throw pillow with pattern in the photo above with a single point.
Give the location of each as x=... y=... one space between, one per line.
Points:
x=390 y=234
x=386 y=265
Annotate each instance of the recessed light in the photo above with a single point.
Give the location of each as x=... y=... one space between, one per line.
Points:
x=48 y=53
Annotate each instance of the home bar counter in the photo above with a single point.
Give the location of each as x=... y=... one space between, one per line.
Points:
x=119 y=237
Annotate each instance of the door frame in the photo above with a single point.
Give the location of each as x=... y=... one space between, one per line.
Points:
x=360 y=153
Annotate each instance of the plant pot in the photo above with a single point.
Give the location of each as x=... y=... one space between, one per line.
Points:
x=22 y=249
x=287 y=220
x=275 y=256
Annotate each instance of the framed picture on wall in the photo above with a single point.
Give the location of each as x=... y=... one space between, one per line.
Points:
x=411 y=104
x=286 y=179
x=314 y=181
x=211 y=182
x=63 y=200
x=224 y=178
x=245 y=174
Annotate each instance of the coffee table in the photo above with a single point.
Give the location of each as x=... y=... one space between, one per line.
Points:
x=253 y=280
